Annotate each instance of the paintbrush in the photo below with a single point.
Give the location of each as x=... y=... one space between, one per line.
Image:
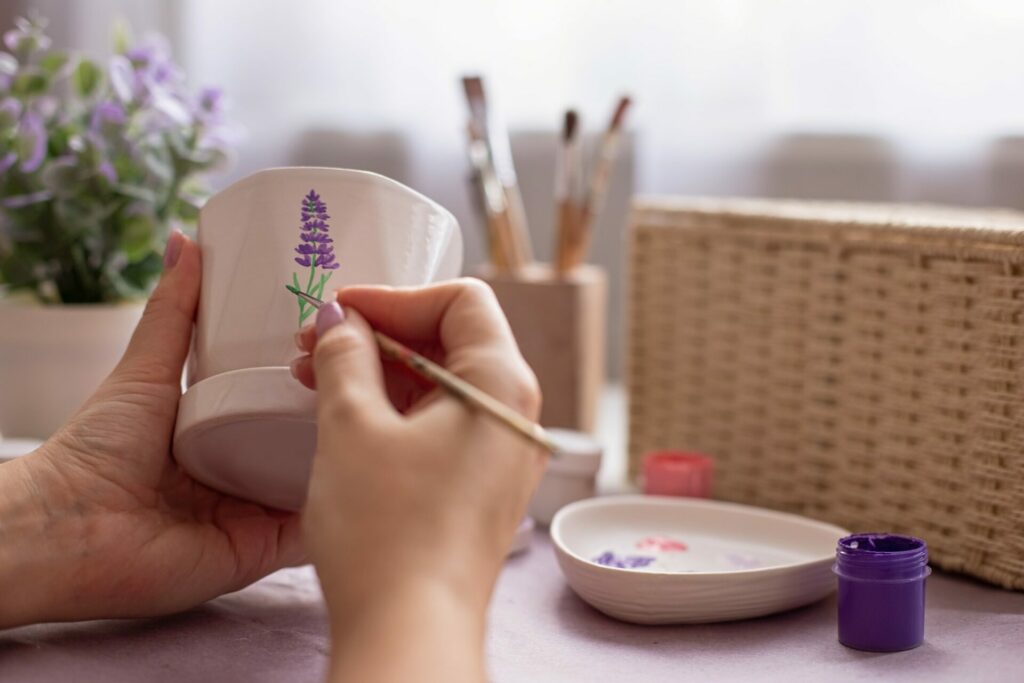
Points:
x=493 y=130
x=568 y=177
x=599 y=181
x=493 y=200
x=453 y=384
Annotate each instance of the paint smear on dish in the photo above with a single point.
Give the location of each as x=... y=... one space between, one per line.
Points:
x=661 y=544
x=744 y=561
x=610 y=559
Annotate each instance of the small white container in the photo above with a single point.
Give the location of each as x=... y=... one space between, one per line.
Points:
x=571 y=474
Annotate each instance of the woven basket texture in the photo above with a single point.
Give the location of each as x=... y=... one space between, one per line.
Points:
x=860 y=364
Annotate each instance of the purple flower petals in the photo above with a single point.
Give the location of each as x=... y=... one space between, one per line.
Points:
x=610 y=559
x=106 y=114
x=122 y=78
x=7 y=161
x=33 y=139
x=22 y=200
x=317 y=247
x=10 y=110
x=106 y=169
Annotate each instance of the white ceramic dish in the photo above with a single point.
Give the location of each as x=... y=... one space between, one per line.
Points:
x=244 y=425
x=693 y=561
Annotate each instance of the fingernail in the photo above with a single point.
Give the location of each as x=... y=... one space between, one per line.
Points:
x=173 y=249
x=328 y=316
x=294 y=366
x=298 y=339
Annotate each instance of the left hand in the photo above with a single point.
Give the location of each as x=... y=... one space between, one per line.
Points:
x=101 y=522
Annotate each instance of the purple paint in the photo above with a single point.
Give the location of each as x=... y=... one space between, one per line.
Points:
x=610 y=559
x=315 y=250
x=881 y=591
x=316 y=247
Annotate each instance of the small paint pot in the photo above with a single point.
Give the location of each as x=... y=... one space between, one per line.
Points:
x=571 y=474
x=676 y=473
x=881 y=591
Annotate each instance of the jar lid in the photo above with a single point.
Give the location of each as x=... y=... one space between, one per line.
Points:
x=677 y=473
x=576 y=452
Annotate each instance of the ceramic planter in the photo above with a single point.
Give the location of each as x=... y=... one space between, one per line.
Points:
x=53 y=357
x=245 y=426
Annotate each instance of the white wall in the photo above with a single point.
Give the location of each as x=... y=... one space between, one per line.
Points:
x=872 y=99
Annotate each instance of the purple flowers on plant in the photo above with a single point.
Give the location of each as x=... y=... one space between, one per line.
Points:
x=315 y=250
x=610 y=559
x=99 y=161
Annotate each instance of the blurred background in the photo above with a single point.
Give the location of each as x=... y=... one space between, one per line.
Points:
x=918 y=100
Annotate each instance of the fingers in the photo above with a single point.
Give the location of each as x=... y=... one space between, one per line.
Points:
x=159 y=345
x=459 y=313
x=347 y=368
x=465 y=317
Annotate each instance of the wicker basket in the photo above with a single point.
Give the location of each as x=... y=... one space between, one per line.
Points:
x=862 y=364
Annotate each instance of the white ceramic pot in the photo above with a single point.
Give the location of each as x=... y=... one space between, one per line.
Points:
x=53 y=357
x=571 y=474
x=245 y=426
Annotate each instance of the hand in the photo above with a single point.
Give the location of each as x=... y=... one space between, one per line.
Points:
x=101 y=522
x=414 y=497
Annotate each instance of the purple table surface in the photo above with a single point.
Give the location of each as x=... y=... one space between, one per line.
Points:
x=275 y=630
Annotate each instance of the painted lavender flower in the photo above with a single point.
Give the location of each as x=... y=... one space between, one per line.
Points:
x=315 y=250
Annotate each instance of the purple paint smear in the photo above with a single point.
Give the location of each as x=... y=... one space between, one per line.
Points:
x=610 y=559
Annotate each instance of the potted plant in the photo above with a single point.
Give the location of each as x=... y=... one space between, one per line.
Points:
x=97 y=165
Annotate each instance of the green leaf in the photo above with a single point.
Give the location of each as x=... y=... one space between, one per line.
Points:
x=137 y=233
x=62 y=178
x=53 y=62
x=122 y=36
x=136 y=192
x=29 y=83
x=141 y=274
x=87 y=77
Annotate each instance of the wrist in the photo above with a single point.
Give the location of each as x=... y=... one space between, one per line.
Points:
x=40 y=543
x=421 y=625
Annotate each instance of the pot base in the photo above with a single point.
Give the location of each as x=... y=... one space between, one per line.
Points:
x=249 y=433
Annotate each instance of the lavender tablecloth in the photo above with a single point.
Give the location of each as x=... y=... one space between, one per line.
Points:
x=539 y=631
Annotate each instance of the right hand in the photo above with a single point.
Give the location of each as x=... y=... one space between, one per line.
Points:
x=411 y=489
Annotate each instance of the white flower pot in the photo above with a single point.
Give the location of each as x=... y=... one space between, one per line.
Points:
x=53 y=357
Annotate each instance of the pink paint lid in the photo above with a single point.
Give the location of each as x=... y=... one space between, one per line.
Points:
x=678 y=473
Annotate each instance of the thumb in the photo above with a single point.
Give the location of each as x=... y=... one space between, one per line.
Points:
x=349 y=378
x=159 y=345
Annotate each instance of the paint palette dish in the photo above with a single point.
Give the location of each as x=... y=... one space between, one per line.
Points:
x=657 y=560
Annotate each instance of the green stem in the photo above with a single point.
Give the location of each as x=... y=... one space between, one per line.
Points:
x=309 y=288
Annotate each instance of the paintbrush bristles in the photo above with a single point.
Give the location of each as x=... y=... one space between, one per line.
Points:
x=569 y=126
x=509 y=233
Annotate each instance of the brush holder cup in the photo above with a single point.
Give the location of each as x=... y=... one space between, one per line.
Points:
x=245 y=426
x=559 y=324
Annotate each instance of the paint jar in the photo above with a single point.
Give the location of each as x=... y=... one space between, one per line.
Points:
x=677 y=473
x=881 y=591
x=571 y=474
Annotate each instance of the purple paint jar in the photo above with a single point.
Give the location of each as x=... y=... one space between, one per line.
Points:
x=881 y=591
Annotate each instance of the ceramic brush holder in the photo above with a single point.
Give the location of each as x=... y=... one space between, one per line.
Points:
x=245 y=426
